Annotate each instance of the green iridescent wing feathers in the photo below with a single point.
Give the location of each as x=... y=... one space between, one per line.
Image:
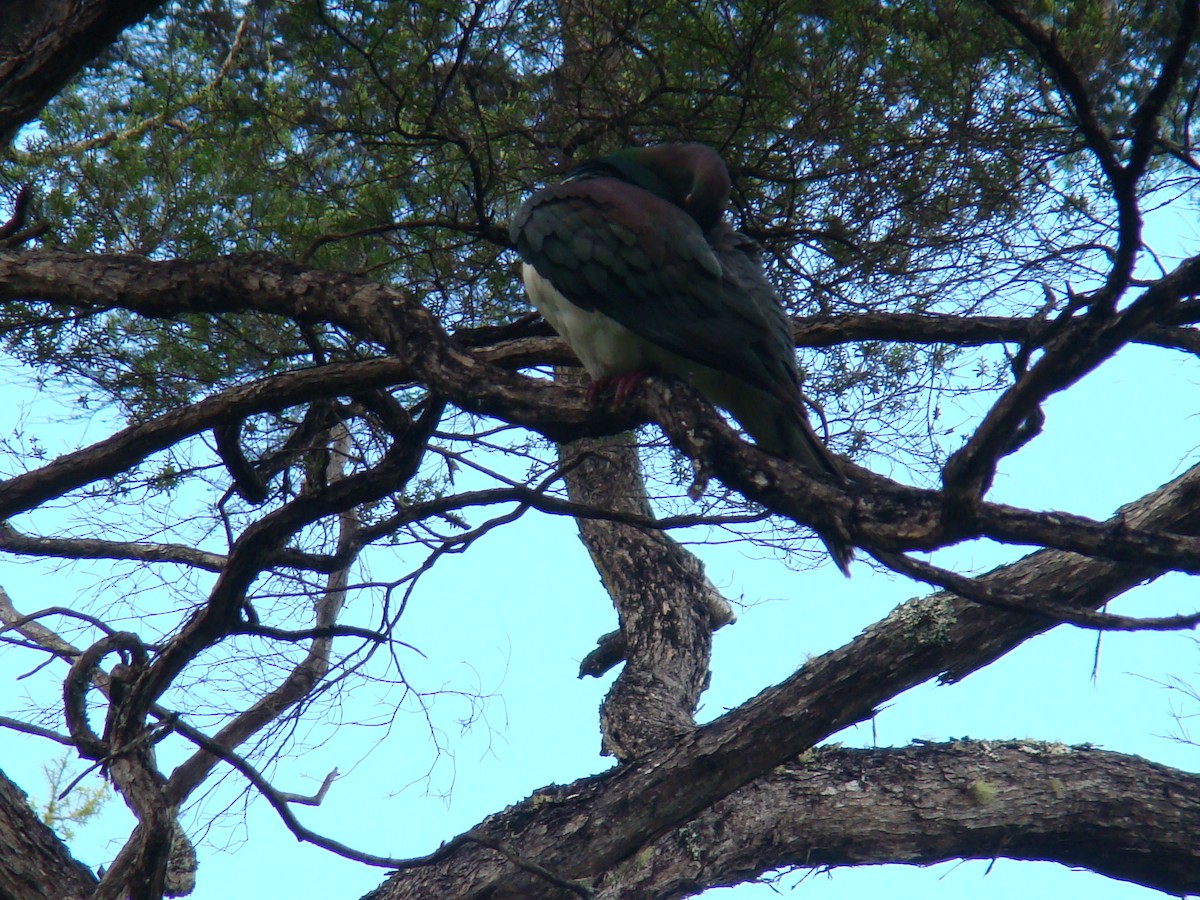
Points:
x=610 y=246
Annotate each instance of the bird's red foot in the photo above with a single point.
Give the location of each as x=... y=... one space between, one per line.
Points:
x=622 y=386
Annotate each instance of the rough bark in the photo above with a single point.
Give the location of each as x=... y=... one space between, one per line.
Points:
x=876 y=512
x=45 y=42
x=662 y=596
x=582 y=830
x=1117 y=815
x=35 y=864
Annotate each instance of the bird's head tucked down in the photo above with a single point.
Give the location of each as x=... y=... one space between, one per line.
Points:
x=631 y=260
x=691 y=176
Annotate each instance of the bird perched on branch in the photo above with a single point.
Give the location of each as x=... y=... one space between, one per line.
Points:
x=631 y=261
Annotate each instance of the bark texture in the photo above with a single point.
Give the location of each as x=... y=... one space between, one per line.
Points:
x=35 y=864
x=45 y=42
x=580 y=831
x=927 y=804
x=835 y=807
x=662 y=597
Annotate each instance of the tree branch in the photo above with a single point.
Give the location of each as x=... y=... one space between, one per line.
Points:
x=895 y=517
x=938 y=636
x=35 y=864
x=977 y=800
x=1081 y=346
x=131 y=445
x=45 y=43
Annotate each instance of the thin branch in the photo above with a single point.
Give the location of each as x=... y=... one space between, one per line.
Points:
x=15 y=542
x=35 y=631
x=36 y=730
x=319 y=633
x=278 y=801
x=977 y=591
x=19 y=623
x=348 y=491
x=129 y=446
x=315 y=799
x=1078 y=349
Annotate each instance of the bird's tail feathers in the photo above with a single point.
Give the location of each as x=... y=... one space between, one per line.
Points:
x=803 y=446
x=782 y=427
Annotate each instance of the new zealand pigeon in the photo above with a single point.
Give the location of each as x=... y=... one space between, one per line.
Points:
x=630 y=259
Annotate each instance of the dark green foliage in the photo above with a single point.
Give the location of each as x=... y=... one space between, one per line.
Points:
x=884 y=155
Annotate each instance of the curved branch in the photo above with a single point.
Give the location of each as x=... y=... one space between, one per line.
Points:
x=44 y=44
x=79 y=679
x=278 y=800
x=129 y=446
x=1013 y=799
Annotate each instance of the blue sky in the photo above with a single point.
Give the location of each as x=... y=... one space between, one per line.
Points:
x=512 y=617
x=516 y=613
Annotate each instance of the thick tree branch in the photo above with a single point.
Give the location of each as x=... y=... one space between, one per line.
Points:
x=879 y=513
x=45 y=42
x=893 y=517
x=662 y=597
x=390 y=318
x=35 y=864
x=921 y=805
x=583 y=829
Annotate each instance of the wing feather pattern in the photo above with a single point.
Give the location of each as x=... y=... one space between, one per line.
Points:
x=611 y=247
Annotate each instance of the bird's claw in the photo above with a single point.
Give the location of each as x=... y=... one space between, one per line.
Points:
x=622 y=386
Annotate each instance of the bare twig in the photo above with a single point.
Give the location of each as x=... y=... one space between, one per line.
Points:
x=980 y=592
x=279 y=802
x=315 y=799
